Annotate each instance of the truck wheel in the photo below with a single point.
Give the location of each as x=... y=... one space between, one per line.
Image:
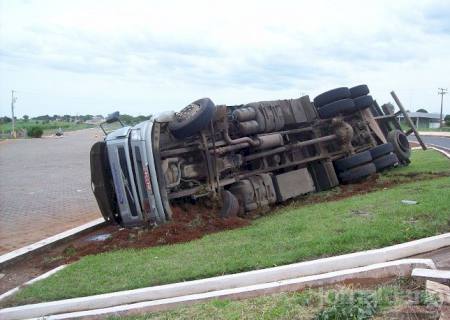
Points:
x=352 y=161
x=381 y=150
x=331 y=96
x=385 y=162
x=359 y=91
x=400 y=143
x=335 y=108
x=230 y=205
x=363 y=102
x=193 y=118
x=357 y=173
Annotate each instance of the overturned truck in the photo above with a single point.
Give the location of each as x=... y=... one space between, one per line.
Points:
x=244 y=157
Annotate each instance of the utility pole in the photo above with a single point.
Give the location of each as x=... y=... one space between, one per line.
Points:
x=13 y=100
x=442 y=91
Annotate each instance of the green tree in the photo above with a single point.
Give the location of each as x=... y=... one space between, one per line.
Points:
x=422 y=110
x=447 y=120
x=126 y=119
x=25 y=118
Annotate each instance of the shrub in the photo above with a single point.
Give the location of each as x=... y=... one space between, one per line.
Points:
x=360 y=305
x=35 y=132
x=447 y=120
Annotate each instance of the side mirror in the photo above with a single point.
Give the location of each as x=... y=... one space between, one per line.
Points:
x=113 y=117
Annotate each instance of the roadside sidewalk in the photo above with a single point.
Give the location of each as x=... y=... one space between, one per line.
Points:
x=45 y=187
x=435 y=133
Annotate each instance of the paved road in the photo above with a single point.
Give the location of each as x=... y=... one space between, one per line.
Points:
x=44 y=187
x=442 y=142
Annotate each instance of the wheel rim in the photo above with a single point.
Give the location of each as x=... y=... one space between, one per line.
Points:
x=403 y=142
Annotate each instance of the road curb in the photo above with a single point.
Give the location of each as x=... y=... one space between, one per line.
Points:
x=33 y=248
x=41 y=277
x=301 y=269
x=375 y=271
x=440 y=134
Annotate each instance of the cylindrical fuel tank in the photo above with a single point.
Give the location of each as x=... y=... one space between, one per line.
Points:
x=244 y=114
x=249 y=127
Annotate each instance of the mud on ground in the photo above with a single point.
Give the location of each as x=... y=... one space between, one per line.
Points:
x=189 y=223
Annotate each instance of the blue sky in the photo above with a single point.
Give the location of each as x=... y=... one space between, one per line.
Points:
x=143 y=57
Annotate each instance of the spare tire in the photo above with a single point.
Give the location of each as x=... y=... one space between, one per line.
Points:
x=331 y=96
x=352 y=161
x=193 y=118
x=385 y=162
x=335 y=108
x=358 y=173
x=400 y=143
x=381 y=150
x=359 y=91
x=363 y=102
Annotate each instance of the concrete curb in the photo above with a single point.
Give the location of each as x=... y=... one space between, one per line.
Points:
x=347 y=261
x=442 y=134
x=33 y=248
x=41 y=277
x=376 y=271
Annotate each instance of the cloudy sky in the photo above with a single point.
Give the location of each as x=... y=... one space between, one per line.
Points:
x=142 y=57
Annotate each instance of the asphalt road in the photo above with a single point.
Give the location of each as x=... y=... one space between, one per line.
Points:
x=441 y=142
x=45 y=187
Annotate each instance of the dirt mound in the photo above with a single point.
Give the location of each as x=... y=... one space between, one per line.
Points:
x=188 y=223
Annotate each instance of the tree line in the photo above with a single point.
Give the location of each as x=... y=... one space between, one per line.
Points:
x=125 y=118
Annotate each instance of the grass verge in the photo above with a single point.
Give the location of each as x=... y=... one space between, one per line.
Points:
x=294 y=234
x=384 y=301
x=48 y=127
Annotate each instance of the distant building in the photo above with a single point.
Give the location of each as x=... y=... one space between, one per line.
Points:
x=423 y=119
x=96 y=120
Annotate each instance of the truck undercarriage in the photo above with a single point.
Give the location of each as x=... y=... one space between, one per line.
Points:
x=244 y=157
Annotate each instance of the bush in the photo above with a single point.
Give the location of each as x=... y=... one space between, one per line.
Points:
x=359 y=305
x=35 y=132
x=447 y=120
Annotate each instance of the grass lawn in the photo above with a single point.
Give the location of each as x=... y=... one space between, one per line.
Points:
x=380 y=302
x=49 y=127
x=295 y=233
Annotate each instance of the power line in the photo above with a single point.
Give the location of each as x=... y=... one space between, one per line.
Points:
x=442 y=91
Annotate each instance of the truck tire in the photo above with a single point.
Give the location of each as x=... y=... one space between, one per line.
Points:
x=385 y=162
x=192 y=123
x=363 y=102
x=230 y=205
x=401 y=145
x=359 y=91
x=331 y=96
x=335 y=108
x=352 y=161
x=357 y=173
x=381 y=150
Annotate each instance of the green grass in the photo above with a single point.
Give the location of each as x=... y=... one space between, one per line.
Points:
x=335 y=303
x=295 y=233
x=429 y=161
x=48 y=128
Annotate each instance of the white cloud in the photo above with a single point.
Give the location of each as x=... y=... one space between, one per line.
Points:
x=145 y=56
